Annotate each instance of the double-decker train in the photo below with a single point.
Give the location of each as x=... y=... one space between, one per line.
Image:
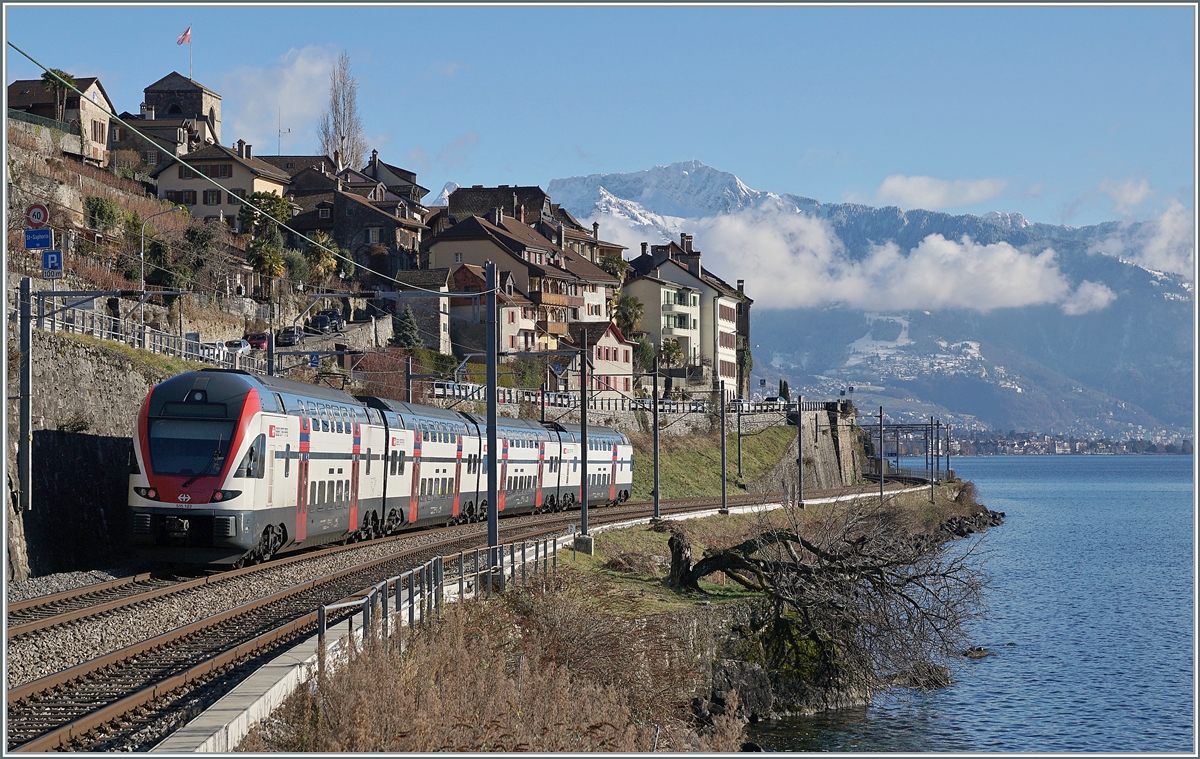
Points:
x=230 y=468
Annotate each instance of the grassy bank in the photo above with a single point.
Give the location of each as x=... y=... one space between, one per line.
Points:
x=690 y=465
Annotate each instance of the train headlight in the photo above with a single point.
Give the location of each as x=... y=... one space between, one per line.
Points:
x=224 y=495
x=150 y=493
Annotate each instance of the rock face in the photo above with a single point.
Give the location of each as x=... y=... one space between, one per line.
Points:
x=756 y=696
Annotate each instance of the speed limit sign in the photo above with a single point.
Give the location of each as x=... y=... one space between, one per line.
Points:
x=36 y=215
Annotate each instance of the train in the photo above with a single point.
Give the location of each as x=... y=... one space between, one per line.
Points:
x=232 y=468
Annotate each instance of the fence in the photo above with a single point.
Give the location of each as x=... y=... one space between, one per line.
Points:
x=30 y=118
x=871 y=469
x=425 y=587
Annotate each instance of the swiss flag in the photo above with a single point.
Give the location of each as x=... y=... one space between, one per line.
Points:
x=185 y=37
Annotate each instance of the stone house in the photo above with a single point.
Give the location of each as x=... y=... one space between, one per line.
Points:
x=234 y=169
x=175 y=95
x=398 y=181
x=89 y=113
x=433 y=312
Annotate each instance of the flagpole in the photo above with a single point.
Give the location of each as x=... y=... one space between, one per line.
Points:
x=189 y=53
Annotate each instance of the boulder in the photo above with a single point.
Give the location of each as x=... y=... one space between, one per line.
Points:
x=753 y=686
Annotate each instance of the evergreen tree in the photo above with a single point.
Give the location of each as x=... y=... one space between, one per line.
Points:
x=407 y=334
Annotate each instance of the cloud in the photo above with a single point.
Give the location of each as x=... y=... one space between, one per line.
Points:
x=1089 y=296
x=1127 y=195
x=290 y=94
x=794 y=260
x=934 y=194
x=455 y=153
x=1166 y=242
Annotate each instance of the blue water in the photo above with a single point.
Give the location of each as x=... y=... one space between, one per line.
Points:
x=1093 y=583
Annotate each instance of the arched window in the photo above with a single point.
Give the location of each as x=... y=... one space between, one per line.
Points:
x=174 y=110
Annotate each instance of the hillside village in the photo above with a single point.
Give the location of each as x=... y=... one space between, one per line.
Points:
x=560 y=281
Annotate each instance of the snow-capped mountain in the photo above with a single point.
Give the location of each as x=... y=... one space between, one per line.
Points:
x=999 y=321
x=443 y=197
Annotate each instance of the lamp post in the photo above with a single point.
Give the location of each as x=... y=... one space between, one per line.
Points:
x=142 y=304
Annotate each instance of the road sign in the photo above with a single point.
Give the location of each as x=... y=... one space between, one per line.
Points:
x=557 y=368
x=37 y=215
x=39 y=239
x=314 y=360
x=52 y=264
x=762 y=383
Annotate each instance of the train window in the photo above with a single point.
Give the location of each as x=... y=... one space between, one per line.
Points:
x=287 y=460
x=347 y=492
x=312 y=496
x=321 y=495
x=340 y=493
x=368 y=461
x=392 y=467
x=423 y=486
x=400 y=456
x=252 y=463
x=446 y=485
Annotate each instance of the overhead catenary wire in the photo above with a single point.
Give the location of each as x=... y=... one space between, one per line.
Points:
x=210 y=180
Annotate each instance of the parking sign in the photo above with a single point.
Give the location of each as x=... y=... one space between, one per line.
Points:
x=314 y=360
x=52 y=264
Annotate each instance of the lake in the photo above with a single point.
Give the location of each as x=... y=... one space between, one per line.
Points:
x=1092 y=575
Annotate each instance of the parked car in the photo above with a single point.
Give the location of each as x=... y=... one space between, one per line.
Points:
x=320 y=325
x=258 y=341
x=336 y=322
x=240 y=347
x=772 y=400
x=290 y=336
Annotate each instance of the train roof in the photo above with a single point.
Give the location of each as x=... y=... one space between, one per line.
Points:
x=577 y=429
x=411 y=409
x=508 y=422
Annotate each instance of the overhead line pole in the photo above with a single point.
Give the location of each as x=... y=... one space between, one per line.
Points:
x=880 y=457
x=657 y=497
x=25 y=433
x=493 y=521
x=800 y=451
x=583 y=425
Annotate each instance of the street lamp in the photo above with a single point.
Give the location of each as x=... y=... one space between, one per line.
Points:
x=141 y=304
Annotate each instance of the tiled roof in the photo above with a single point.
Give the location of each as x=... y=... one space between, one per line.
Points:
x=299 y=162
x=26 y=92
x=220 y=152
x=479 y=201
x=594 y=331
x=175 y=82
x=427 y=278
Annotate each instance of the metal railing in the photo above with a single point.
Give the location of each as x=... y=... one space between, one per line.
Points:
x=871 y=469
x=418 y=595
x=31 y=118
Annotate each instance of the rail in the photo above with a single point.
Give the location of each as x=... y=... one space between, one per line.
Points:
x=31 y=118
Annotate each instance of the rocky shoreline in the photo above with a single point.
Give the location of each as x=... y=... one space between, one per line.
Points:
x=768 y=695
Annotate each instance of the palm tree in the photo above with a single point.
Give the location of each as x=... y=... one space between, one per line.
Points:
x=670 y=354
x=627 y=312
x=59 y=82
x=321 y=262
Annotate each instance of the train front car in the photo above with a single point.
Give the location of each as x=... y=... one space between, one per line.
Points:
x=200 y=470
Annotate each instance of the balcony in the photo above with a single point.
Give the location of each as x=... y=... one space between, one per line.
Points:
x=549 y=299
x=554 y=328
x=675 y=308
x=678 y=332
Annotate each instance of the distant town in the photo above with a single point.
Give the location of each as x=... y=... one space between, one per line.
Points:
x=1040 y=444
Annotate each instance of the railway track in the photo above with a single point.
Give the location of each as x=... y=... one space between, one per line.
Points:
x=93 y=705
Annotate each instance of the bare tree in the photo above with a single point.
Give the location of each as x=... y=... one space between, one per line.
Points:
x=853 y=599
x=341 y=129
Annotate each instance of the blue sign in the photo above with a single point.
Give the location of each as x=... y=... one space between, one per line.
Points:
x=557 y=368
x=762 y=383
x=39 y=239
x=52 y=264
x=314 y=360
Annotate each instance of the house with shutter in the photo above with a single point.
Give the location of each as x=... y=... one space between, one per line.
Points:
x=611 y=372
x=720 y=337
x=517 y=314
x=177 y=96
x=89 y=113
x=236 y=172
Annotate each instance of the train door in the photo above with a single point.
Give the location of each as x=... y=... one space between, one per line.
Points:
x=302 y=482
x=612 y=478
x=415 y=489
x=355 y=448
x=502 y=480
x=458 y=458
x=537 y=494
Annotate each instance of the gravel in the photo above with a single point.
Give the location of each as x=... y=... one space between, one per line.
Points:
x=20 y=590
x=52 y=650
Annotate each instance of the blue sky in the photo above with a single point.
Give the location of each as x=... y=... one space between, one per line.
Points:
x=1069 y=115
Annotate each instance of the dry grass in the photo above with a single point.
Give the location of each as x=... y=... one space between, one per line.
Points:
x=530 y=670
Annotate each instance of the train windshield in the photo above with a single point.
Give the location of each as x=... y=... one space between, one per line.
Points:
x=189 y=446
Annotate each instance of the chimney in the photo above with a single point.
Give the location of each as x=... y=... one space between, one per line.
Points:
x=741 y=284
x=249 y=153
x=521 y=213
x=645 y=249
x=685 y=242
x=147 y=112
x=595 y=230
x=375 y=164
x=337 y=162
x=497 y=216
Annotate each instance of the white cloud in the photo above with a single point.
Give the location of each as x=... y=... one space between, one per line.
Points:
x=1165 y=243
x=934 y=194
x=290 y=94
x=793 y=260
x=1127 y=195
x=1169 y=241
x=1089 y=296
